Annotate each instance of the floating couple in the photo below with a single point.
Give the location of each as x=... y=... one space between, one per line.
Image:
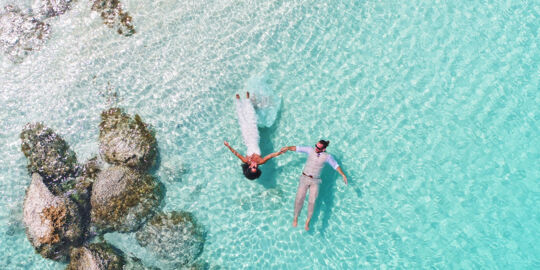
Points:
x=310 y=178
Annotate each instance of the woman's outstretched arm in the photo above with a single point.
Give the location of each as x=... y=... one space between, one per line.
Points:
x=273 y=155
x=242 y=158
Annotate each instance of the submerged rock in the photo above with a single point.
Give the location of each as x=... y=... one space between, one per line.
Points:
x=175 y=237
x=113 y=16
x=47 y=153
x=126 y=141
x=133 y=263
x=123 y=199
x=52 y=222
x=51 y=8
x=96 y=256
x=103 y=256
x=20 y=33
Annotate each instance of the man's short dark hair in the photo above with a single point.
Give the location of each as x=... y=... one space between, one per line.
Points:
x=249 y=174
x=324 y=143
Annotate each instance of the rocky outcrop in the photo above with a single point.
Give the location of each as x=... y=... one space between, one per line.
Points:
x=50 y=8
x=52 y=222
x=133 y=263
x=20 y=33
x=114 y=16
x=123 y=199
x=126 y=141
x=47 y=153
x=97 y=256
x=175 y=237
x=68 y=204
x=103 y=256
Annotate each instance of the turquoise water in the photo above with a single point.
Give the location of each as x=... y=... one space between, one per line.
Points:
x=432 y=110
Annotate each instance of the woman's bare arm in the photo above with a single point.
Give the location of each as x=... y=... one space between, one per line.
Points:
x=288 y=148
x=242 y=158
x=273 y=155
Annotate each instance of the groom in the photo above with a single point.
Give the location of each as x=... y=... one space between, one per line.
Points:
x=310 y=178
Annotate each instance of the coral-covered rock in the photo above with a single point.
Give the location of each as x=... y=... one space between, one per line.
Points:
x=133 y=263
x=123 y=199
x=47 y=153
x=52 y=222
x=126 y=141
x=114 y=16
x=97 y=256
x=51 y=8
x=20 y=33
x=103 y=256
x=175 y=237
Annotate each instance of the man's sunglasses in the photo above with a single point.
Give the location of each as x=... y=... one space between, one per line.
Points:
x=320 y=149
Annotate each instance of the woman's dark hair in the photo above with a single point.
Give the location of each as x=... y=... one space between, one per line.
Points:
x=249 y=174
x=325 y=143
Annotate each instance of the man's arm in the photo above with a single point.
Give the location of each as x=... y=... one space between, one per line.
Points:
x=300 y=149
x=332 y=162
x=242 y=158
x=342 y=174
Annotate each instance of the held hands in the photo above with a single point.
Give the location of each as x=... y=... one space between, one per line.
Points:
x=283 y=150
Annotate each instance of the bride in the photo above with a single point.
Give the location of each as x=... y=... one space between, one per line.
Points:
x=247 y=119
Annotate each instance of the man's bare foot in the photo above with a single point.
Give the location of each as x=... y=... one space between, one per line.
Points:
x=247 y=94
x=237 y=96
x=307 y=226
x=295 y=222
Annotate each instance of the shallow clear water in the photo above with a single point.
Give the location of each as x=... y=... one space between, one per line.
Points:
x=432 y=110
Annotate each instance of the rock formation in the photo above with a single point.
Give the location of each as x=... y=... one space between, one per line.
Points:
x=52 y=222
x=96 y=256
x=50 y=8
x=114 y=16
x=20 y=33
x=67 y=204
x=47 y=153
x=174 y=236
x=126 y=141
x=123 y=199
